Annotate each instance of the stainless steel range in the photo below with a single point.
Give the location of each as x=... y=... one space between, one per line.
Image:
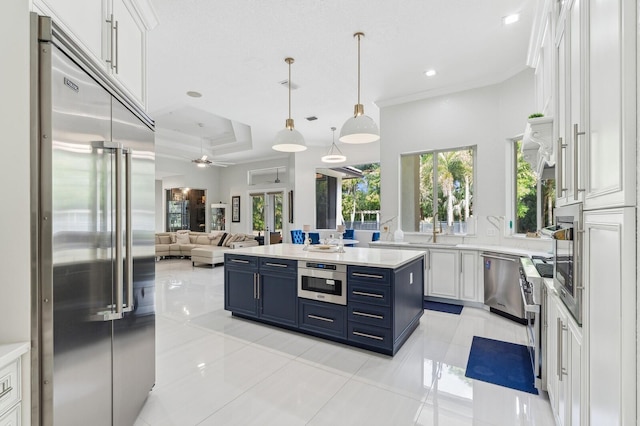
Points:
x=531 y=289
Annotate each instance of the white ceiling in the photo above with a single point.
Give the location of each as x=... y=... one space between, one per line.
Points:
x=233 y=53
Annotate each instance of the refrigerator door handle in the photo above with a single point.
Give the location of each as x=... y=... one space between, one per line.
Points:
x=128 y=233
x=119 y=275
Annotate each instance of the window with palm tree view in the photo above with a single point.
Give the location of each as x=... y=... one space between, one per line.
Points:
x=437 y=190
x=361 y=198
x=534 y=195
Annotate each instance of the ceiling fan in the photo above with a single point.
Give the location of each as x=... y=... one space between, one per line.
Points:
x=205 y=162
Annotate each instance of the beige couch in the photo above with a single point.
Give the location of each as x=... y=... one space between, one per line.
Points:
x=182 y=243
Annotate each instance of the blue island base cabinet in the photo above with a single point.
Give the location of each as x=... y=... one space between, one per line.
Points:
x=383 y=308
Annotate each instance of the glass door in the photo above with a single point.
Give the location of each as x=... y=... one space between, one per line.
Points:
x=266 y=215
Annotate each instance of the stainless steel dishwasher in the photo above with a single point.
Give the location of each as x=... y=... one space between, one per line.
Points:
x=502 y=285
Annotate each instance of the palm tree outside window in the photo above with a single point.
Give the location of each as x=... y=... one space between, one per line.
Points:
x=437 y=190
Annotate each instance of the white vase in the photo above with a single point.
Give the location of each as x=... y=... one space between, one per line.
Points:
x=398 y=235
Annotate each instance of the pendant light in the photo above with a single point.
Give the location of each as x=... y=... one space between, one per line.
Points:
x=359 y=128
x=289 y=139
x=333 y=156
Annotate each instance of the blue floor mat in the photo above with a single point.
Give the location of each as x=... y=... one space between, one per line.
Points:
x=442 y=307
x=501 y=363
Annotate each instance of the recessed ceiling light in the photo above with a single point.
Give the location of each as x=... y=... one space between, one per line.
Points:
x=430 y=73
x=194 y=94
x=510 y=19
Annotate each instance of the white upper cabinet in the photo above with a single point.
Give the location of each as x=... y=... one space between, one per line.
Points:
x=569 y=104
x=128 y=53
x=112 y=33
x=610 y=145
x=82 y=20
x=596 y=103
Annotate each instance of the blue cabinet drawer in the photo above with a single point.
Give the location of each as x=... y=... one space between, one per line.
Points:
x=240 y=261
x=370 y=314
x=283 y=266
x=365 y=293
x=370 y=335
x=324 y=318
x=369 y=275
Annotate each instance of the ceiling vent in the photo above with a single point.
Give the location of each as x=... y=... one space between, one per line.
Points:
x=311 y=118
x=285 y=84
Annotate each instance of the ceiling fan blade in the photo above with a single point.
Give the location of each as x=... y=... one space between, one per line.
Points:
x=204 y=157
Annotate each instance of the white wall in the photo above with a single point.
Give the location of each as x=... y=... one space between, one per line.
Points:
x=15 y=166
x=15 y=253
x=486 y=117
x=234 y=181
x=184 y=174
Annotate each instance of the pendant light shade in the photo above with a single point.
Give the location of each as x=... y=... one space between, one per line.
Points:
x=334 y=155
x=289 y=139
x=359 y=128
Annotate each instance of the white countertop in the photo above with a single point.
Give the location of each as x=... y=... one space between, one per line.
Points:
x=11 y=351
x=478 y=247
x=351 y=256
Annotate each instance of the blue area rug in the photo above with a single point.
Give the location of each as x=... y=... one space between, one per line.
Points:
x=501 y=363
x=443 y=307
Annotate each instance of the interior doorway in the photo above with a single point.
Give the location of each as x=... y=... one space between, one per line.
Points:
x=186 y=209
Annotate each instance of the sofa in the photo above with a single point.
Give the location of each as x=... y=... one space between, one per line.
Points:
x=200 y=247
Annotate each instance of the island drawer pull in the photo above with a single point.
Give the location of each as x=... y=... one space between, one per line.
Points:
x=370 y=336
x=239 y=261
x=360 y=274
x=364 y=314
x=320 y=318
x=279 y=265
x=362 y=293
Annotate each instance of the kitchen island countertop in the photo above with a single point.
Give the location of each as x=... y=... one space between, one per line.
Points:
x=351 y=256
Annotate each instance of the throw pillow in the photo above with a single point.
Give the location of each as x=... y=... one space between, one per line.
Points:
x=182 y=238
x=221 y=242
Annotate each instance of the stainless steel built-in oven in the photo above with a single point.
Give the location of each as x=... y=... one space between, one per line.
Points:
x=324 y=282
x=567 y=275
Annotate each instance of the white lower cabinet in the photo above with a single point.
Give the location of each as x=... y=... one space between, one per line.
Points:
x=11 y=418
x=443 y=275
x=470 y=290
x=610 y=315
x=564 y=362
x=453 y=274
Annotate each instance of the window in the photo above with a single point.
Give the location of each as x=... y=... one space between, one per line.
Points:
x=437 y=188
x=534 y=196
x=361 y=198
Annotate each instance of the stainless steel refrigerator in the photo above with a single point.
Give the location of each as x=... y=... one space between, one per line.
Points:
x=93 y=225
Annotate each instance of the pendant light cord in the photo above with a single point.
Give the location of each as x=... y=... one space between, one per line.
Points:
x=289 y=60
x=358 y=35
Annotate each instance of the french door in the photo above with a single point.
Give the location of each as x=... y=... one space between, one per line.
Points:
x=266 y=215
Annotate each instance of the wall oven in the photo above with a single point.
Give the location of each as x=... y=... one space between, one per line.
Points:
x=567 y=269
x=324 y=282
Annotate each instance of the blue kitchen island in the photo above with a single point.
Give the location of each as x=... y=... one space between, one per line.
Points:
x=369 y=298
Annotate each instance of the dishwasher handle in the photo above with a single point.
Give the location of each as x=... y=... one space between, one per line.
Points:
x=493 y=256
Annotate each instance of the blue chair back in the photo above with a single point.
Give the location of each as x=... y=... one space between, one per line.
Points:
x=375 y=236
x=349 y=234
x=315 y=237
x=297 y=236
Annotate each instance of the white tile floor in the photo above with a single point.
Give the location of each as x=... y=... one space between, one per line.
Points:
x=213 y=369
